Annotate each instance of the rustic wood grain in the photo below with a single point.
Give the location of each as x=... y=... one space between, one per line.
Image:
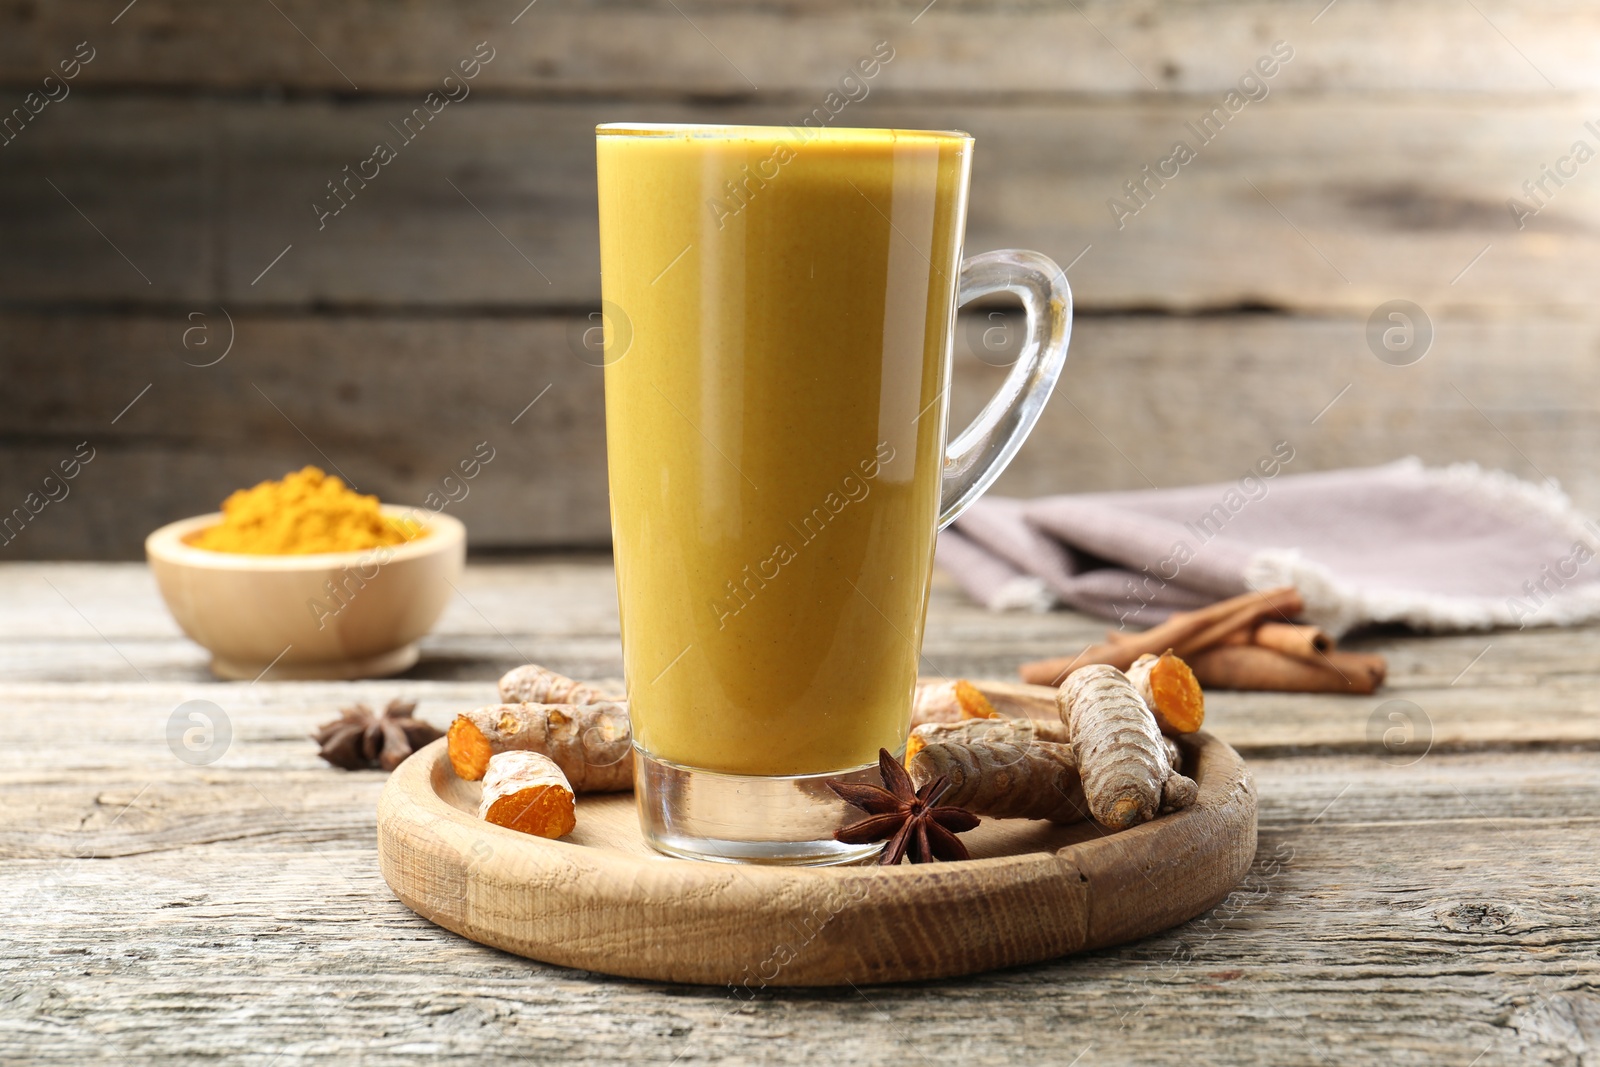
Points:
x=1436 y=912
x=396 y=404
x=1378 y=167
x=598 y=900
x=1429 y=963
x=1441 y=912
x=1101 y=46
x=78 y=633
x=1290 y=206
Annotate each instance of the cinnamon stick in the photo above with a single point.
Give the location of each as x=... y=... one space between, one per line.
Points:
x=1255 y=667
x=1251 y=609
x=1190 y=630
x=1294 y=639
x=1367 y=669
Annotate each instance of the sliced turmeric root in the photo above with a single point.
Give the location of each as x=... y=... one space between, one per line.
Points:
x=526 y=791
x=591 y=743
x=1172 y=691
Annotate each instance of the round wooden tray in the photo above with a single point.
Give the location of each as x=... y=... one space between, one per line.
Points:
x=601 y=900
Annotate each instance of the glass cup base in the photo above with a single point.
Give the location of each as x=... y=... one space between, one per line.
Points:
x=736 y=818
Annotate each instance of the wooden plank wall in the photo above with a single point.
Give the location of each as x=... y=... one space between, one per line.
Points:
x=163 y=207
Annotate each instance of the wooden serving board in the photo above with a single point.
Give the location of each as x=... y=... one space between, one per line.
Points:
x=601 y=900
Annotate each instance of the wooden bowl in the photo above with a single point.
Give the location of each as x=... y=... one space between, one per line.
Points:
x=328 y=615
x=601 y=900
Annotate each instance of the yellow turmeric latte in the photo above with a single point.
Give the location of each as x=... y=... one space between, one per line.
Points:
x=775 y=432
x=308 y=511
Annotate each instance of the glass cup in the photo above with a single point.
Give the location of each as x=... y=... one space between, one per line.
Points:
x=779 y=306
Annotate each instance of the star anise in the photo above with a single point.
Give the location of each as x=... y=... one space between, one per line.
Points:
x=913 y=820
x=362 y=738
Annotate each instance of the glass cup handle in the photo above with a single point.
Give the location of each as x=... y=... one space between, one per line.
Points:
x=977 y=456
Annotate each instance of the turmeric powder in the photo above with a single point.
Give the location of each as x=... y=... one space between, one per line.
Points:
x=308 y=511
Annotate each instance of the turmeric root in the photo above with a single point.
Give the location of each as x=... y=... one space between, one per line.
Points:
x=1019 y=700
x=527 y=791
x=1038 y=780
x=591 y=743
x=533 y=684
x=1120 y=752
x=1178 y=792
x=938 y=701
x=1174 y=753
x=949 y=702
x=1010 y=731
x=1171 y=690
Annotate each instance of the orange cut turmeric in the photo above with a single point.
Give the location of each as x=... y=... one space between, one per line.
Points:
x=527 y=791
x=307 y=511
x=1171 y=690
x=591 y=743
x=949 y=701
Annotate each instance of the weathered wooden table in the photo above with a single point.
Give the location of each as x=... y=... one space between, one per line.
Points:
x=1404 y=907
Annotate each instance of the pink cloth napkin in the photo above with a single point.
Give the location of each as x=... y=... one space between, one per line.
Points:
x=1453 y=548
